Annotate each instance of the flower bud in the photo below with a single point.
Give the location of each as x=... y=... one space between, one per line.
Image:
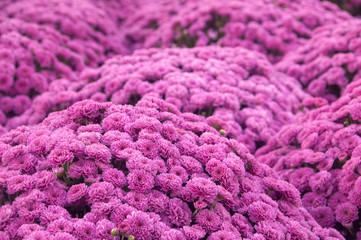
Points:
x=200 y=204
x=123 y=228
x=114 y=232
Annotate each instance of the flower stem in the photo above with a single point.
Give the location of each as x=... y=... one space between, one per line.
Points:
x=214 y=203
x=195 y=212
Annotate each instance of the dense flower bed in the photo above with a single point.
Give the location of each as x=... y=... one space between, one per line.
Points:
x=40 y=43
x=153 y=171
x=235 y=84
x=180 y=120
x=91 y=31
x=327 y=63
x=120 y=10
x=320 y=155
x=31 y=57
x=271 y=27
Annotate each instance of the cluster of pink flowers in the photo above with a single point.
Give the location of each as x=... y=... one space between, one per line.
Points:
x=329 y=61
x=31 y=57
x=320 y=155
x=352 y=6
x=180 y=120
x=239 y=86
x=92 y=32
x=271 y=27
x=149 y=169
x=120 y=10
x=40 y=43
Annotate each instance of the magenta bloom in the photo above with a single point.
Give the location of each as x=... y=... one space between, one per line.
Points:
x=140 y=225
x=172 y=234
x=60 y=157
x=60 y=225
x=123 y=228
x=203 y=188
x=179 y=212
x=194 y=232
x=260 y=211
x=200 y=204
x=169 y=182
x=324 y=216
x=100 y=191
x=84 y=230
x=76 y=192
x=346 y=213
x=114 y=176
x=271 y=229
x=98 y=152
x=219 y=235
x=19 y=183
x=140 y=180
x=209 y=220
x=64 y=236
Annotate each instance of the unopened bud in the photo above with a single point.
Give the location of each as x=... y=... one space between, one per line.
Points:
x=123 y=228
x=114 y=232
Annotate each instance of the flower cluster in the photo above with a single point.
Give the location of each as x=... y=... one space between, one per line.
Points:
x=180 y=119
x=31 y=57
x=237 y=85
x=99 y=170
x=40 y=45
x=320 y=156
x=329 y=61
x=271 y=27
x=120 y=10
x=92 y=32
x=352 y=6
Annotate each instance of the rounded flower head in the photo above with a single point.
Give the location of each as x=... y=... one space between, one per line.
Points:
x=346 y=213
x=209 y=220
x=203 y=188
x=140 y=225
x=140 y=180
x=100 y=191
x=60 y=225
x=60 y=157
x=260 y=211
x=64 y=236
x=19 y=183
x=324 y=216
x=114 y=176
x=98 y=152
x=169 y=181
x=123 y=228
x=76 y=192
x=84 y=229
x=179 y=212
